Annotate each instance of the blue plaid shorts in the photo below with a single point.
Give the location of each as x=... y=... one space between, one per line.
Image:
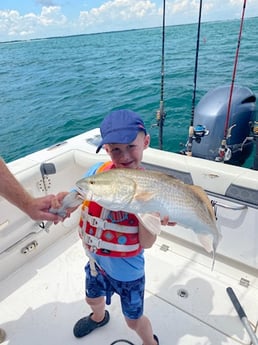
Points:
x=131 y=293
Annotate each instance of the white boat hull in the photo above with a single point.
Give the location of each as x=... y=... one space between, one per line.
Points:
x=42 y=289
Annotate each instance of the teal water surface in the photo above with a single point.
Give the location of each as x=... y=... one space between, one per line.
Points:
x=53 y=89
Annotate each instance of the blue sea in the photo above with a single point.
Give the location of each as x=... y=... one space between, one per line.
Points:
x=56 y=88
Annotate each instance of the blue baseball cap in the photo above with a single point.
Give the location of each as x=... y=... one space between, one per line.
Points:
x=120 y=127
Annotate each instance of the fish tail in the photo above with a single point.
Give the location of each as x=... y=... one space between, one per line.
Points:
x=207 y=241
x=213 y=261
x=210 y=243
x=213 y=256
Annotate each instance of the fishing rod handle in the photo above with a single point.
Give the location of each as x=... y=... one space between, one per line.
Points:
x=236 y=303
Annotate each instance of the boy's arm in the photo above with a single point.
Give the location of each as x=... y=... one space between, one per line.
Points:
x=149 y=228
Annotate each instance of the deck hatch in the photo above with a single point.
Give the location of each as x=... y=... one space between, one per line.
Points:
x=181 y=175
x=243 y=194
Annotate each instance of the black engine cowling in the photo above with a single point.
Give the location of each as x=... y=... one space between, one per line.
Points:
x=211 y=114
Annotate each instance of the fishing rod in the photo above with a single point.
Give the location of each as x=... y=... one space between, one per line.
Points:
x=160 y=115
x=227 y=131
x=191 y=128
x=242 y=315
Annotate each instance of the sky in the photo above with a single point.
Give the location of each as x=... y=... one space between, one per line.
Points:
x=28 y=19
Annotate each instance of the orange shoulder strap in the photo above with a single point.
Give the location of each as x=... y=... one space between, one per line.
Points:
x=105 y=166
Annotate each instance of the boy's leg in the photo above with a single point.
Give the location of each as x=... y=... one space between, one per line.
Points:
x=98 y=308
x=143 y=328
x=132 y=300
x=98 y=318
x=95 y=297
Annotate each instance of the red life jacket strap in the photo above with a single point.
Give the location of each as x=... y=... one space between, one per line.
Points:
x=96 y=243
x=105 y=225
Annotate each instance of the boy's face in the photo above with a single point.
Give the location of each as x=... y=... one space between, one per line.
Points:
x=128 y=155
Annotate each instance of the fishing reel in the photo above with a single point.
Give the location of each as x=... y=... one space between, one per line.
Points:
x=224 y=153
x=160 y=117
x=255 y=129
x=199 y=132
x=195 y=133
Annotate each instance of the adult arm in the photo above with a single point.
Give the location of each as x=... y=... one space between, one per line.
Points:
x=13 y=191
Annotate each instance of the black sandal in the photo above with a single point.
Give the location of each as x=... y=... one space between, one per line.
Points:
x=86 y=325
x=156 y=338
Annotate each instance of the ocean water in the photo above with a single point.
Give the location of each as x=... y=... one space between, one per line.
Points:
x=53 y=89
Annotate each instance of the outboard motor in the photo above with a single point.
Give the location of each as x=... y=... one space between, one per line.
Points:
x=210 y=116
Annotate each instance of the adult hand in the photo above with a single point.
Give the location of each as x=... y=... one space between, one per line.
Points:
x=38 y=209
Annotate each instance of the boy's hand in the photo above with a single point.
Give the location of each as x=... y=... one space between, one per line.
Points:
x=165 y=221
x=65 y=203
x=57 y=200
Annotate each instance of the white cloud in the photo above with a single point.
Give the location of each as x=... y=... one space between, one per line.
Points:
x=115 y=15
x=15 y=26
x=119 y=14
x=127 y=14
x=52 y=16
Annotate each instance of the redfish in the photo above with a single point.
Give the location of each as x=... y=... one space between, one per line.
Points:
x=145 y=191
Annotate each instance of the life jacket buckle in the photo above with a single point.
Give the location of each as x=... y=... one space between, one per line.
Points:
x=97 y=222
x=93 y=242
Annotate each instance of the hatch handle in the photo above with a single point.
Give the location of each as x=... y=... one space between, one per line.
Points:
x=234 y=208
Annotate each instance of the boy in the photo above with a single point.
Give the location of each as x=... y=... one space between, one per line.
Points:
x=116 y=261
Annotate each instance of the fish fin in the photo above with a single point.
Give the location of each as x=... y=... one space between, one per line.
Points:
x=213 y=257
x=209 y=245
x=151 y=222
x=206 y=241
x=144 y=196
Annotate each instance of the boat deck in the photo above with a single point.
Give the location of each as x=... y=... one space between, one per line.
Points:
x=186 y=301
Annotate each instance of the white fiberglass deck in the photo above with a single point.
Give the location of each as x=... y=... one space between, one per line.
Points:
x=186 y=302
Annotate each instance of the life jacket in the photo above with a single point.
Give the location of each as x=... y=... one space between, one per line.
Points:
x=108 y=233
